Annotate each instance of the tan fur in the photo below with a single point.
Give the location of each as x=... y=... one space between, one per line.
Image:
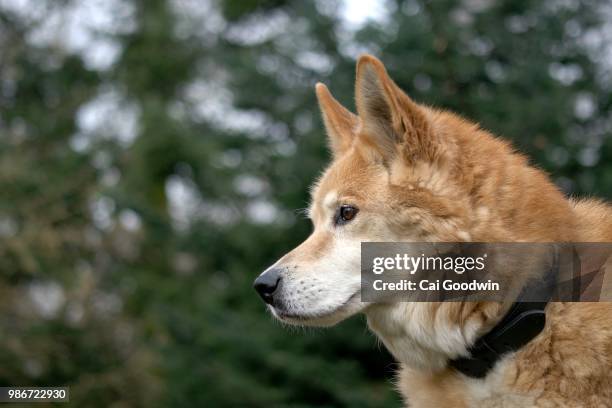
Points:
x=420 y=174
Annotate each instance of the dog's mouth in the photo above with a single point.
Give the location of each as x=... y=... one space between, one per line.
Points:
x=326 y=317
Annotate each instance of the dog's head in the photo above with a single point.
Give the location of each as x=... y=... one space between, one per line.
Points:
x=393 y=178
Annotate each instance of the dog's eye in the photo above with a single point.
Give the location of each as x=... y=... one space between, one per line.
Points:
x=345 y=214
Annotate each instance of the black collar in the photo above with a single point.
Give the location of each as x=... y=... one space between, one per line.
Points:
x=523 y=322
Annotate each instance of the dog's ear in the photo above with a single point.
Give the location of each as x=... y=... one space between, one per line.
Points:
x=392 y=123
x=340 y=124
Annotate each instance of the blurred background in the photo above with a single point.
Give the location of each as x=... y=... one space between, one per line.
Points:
x=155 y=155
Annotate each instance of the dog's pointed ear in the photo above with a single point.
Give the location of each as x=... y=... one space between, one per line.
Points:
x=391 y=122
x=340 y=123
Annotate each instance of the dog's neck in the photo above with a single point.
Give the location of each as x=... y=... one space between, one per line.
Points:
x=407 y=331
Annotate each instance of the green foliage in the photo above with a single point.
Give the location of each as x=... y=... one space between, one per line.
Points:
x=127 y=256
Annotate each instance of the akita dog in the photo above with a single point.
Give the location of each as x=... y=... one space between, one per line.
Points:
x=406 y=172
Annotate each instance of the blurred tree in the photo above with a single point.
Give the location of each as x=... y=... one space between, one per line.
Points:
x=154 y=161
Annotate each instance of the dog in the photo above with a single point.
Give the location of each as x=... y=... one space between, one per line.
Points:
x=402 y=171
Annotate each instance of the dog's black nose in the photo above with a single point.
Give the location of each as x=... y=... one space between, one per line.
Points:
x=267 y=283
